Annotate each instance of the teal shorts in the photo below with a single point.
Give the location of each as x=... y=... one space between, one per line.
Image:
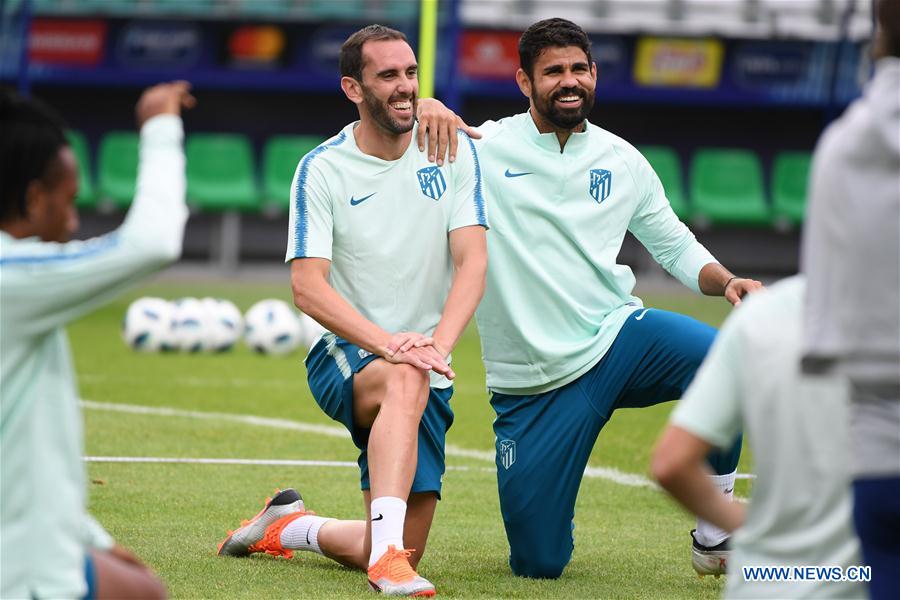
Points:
x=544 y=440
x=331 y=365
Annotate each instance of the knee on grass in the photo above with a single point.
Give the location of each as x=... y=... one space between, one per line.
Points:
x=539 y=566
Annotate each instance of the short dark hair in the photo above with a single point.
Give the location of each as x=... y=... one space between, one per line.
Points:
x=33 y=135
x=351 y=60
x=550 y=33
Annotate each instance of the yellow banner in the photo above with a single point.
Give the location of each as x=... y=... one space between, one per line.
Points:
x=664 y=62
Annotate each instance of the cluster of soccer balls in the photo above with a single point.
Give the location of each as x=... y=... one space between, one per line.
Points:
x=216 y=325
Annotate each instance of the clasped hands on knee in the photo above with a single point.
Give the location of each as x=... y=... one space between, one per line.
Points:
x=420 y=351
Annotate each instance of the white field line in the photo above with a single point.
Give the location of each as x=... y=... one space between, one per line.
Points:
x=606 y=473
x=273 y=423
x=188 y=381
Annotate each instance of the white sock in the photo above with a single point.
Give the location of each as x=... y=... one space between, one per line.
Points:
x=303 y=533
x=388 y=516
x=707 y=533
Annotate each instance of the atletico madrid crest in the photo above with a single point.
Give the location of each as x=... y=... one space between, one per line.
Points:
x=507 y=453
x=432 y=182
x=601 y=184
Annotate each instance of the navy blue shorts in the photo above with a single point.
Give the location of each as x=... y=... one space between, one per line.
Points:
x=544 y=440
x=331 y=365
x=876 y=515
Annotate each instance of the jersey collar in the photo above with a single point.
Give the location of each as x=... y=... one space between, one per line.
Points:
x=549 y=141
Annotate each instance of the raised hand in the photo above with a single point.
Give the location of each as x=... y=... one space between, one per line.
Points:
x=164 y=98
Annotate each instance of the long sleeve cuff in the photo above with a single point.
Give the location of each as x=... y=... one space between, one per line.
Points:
x=687 y=268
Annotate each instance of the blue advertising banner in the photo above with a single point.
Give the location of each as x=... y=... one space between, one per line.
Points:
x=787 y=71
x=175 y=46
x=612 y=57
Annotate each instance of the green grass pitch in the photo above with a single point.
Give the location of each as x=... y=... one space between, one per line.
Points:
x=630 y=542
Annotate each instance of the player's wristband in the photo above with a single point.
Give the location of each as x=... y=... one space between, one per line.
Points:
x=727 y=283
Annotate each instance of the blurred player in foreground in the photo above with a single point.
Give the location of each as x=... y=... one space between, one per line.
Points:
x=51 y=546
x=800 y=513
x=807 y=444
x=565 y=342
x=386 y=250
x=851 y=258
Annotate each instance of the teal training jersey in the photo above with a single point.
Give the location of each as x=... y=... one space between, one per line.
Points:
x=555 y=297
x=384 y=226
x=44 y=527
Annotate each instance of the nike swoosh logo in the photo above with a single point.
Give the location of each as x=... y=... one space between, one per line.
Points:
x=308 y=543
x=354 y=202
x=641 y=316
x=509 y=174
x=728 y=491
x=378 y=518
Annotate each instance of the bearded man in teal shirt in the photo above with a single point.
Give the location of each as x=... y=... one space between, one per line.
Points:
x=565 y=343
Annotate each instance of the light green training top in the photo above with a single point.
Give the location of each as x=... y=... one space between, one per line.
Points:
x=44 y=286
x=800 y=512
x=384 y=225
x=555 y=297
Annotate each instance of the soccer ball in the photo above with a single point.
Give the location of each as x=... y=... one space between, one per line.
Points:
x=224 y=324
x=190 y=325
x=148 y=325
x=311 y=330
x=272 y=327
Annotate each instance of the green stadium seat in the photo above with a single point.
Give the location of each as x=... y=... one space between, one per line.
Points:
x=86 y=198
x=118 y=164
x=221 y=172
x=281 y=155
x=665 y=162
x=790 y=174
x=727 y=188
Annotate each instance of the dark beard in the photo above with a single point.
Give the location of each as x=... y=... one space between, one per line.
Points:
x=562 y=118
x=381 y=116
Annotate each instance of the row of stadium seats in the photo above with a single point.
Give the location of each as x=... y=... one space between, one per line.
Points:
x=221 y=171
x=726 y=186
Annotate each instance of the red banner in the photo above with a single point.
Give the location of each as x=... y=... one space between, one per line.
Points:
x=489 y=54
x=65 y=42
